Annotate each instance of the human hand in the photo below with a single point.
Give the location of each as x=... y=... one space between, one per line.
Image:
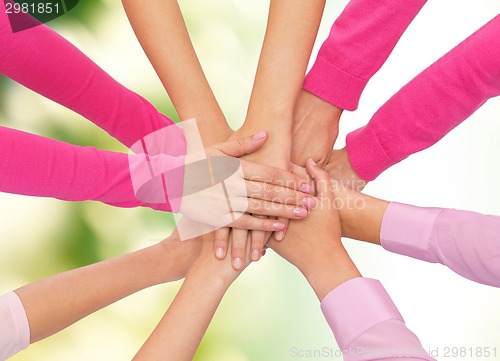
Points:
x=321 y=257
x=315 y=129
x=251 y=187
x=339 y=167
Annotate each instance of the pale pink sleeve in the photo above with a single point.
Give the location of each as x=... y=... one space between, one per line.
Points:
x=431 y=105
x=466 y=242
x=367 y=325
x=360 y=41
x=38 y=166
x=14 y=326
x=50 y=65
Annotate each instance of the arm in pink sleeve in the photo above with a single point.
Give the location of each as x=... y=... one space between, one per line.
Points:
x=431 y=105
x=367 y=325
x=14 y=326
x=48 y=64
x=466 y=242
x=360 y=41
x=38 y=166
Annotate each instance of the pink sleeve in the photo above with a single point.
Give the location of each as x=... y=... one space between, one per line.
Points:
x=360 y=41
x=431 y=105
x=38 y=166
x=48 y=64
x=466 y=242
x=14 y=326
x=367 y=325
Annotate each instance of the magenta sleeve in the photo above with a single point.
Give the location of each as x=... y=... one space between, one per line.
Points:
x=466 y=242
x=48 y=64
x=360 y=41
x=14 y=326
x=38 y=166
x=367 y=325
x=431 y=105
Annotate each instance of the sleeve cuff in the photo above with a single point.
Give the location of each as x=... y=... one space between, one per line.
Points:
x=356 y=306
x=407 y=230
x=366 y=155
x=334 y=85
x=19 y=325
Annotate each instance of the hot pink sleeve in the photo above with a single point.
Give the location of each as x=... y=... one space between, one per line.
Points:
x=48 y=64
x=360 y=41
x=367 y=325
x=38 y=166
x=466 y=242
x=431 y=105
x=14 y=326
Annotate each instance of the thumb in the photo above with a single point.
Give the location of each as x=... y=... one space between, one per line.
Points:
x=243 y=145
x=321 y=179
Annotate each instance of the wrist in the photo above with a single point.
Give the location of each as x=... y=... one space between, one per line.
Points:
x=329 y=271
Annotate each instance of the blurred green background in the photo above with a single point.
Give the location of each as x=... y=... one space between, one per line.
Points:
x=270 y=310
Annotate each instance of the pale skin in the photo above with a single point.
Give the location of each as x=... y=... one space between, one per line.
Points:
x=55 y=303
x=321 y=258
x=291 y=31
x=181 y=329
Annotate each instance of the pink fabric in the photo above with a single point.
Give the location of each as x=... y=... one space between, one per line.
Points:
x=431 y=105
x=45 y=62
x=466 y=242
x=14 y=326
x=360 y=41
x=367 y=325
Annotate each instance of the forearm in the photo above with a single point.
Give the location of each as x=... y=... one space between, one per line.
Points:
x=162 y=32
x=181 y=330
x=290 y=35
x=57 y=302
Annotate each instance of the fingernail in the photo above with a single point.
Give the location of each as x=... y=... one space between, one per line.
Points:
x=309 y=202
x=219 y=252
x=278 y=226
x=237 y=263
x=279 y=236
x=260 y=135
x=255 y=255
x=312 y=162
x=306 y=188
x=300 y=212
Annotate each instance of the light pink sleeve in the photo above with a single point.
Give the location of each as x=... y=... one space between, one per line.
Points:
x=38 y=166
x=14 y=326
x=466 y=242
x=367 y=325
x=360 y=41
x=48 y=64
x=431 y=105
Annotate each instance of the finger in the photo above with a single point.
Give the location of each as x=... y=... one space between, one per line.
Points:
x=248 y=222
x=258 y=239
x=278 y=194
x=263 y=173
x=280 y=235
x=321 y=179
x=238 y=248
x=265 y=208
x=221 y=242
x=241 y=146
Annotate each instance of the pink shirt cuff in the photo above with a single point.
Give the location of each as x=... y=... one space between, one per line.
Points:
x=334 y=85
x=356 y=306
x=14 y=326
x=407 y=230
